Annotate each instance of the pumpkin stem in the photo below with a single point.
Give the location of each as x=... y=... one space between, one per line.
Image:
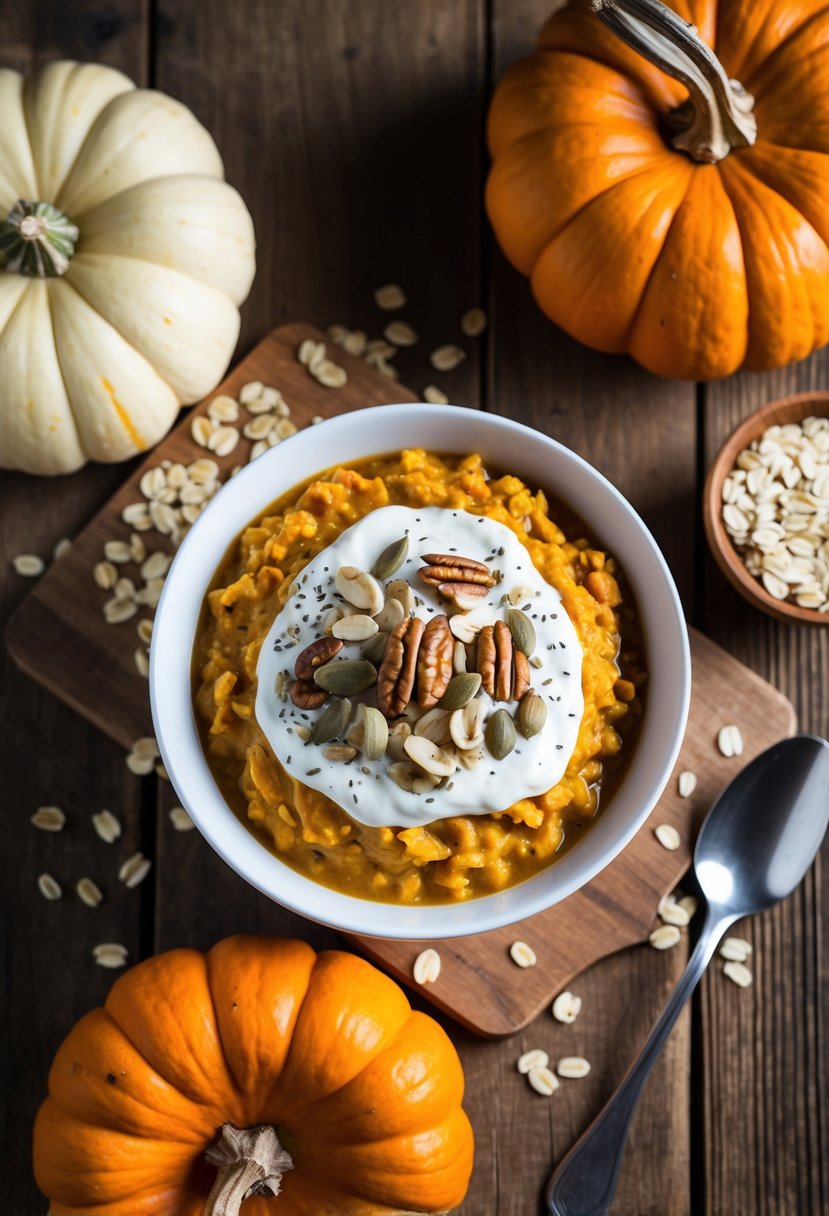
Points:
x=717 y=116
x=37 y=240
x=251 y=1161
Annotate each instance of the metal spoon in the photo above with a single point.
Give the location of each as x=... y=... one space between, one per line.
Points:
x=756 y=844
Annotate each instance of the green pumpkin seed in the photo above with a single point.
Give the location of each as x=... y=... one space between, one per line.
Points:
x=500 y=734
x=332 y=722
x=375 y=733
x=345 y=677
x=532 y=714
x=460 y=690
x=521 y=628
x=391 y=559
x=375 y=648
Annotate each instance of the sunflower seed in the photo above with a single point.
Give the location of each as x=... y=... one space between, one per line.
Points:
x=543 y=1081
x=735 y=949
x=730 y=741
x=573 y=1067
x=426 y=967
x=89 y=892
x=389 y=297
x=536 y=1058
x=446 y=358
x=738 y=973
x=566 y=1007
x=400 y=333
x=687 y=783
x=110 y=954
x=523 y=955
x=48 y=819
x=668 y=836
x=473 y=322
x=665 y=937
x=180 y=820
x=106 y=826
x=49 y=887
x=28 y=565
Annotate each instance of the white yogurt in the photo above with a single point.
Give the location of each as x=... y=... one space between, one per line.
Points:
x=533 y=767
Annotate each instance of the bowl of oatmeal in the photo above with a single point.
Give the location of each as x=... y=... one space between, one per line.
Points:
x=419 y=672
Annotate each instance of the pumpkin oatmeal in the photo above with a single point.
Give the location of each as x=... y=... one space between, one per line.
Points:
x=413 y=683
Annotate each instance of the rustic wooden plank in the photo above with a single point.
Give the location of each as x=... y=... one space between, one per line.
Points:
x=640 y=432
x=764 y=1056
x=50 y=756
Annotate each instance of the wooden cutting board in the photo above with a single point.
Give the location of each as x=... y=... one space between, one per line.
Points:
x=90 y=664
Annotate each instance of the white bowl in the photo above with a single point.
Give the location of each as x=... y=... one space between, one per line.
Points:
x=508 y=446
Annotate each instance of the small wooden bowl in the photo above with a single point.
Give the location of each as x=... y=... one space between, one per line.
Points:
x=789 y=409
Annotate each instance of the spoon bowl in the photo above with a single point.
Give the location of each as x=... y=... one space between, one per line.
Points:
x=755 y=846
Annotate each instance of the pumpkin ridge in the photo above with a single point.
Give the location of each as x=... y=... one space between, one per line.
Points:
x=754 y=81
x=635 y=318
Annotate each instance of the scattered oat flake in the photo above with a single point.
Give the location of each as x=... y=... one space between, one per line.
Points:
x=201 y=429
x=434 y=395
x=134 y=870
x=573 y=1067
x=671 y=912
x=61 y=548
x=426 y=968
x=110 y=954
x=89 y=892
x=251 y=391
x=687 y=783
x=522 y=954
x=730 y=740
x=738 y=973
x=105 y=575
x=49 y=819
x=329 y=374
x=446 y=358
x=668 y=836
x=473 y=322
x=161 y=772
x=665 y=937
x=28 y=565
x=142 y=663
x=536 y=1058
x=390 y=296
x=49 y=887
x=400 y=333
x=690 y=904
x=222 y=409
x=566 y=1008
x=106 y=826
x=735 y=949
x=180 y=820
x=223 y=440
x=543 y=1081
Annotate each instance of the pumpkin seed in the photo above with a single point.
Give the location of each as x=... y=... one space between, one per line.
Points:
x=460 y=690
x=391 y=559
x=332 y=722
x=375 y=648
x=531 y=715
x=500 y=734
x=522 y=630
x=346 y=677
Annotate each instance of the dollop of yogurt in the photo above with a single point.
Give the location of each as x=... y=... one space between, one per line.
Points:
x=363 y=788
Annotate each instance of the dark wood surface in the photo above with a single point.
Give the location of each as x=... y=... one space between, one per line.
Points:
x=354 y=130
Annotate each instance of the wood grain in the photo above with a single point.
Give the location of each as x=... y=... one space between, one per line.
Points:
x=480 y=985
x=764 y=1060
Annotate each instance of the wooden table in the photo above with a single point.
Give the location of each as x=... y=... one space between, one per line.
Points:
x=353 y=128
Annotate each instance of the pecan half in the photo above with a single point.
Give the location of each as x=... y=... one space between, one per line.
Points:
x=485 y=659
x=449 y=567
x=434 y=662
x=306 y=695
x=395 y=680
x=315 y=655
x=520 y=675
x=503 y=661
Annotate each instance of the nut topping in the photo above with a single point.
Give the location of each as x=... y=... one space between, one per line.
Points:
x=503 y=661
x=485 y=659
x=360 y=589
x=520 y=675
x=451 y=566
x=396 y=678
x=314 y=656
x=306 y=695
x=434 y=662
x=463 y=595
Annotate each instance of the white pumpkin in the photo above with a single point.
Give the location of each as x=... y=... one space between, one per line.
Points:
x=123 y=262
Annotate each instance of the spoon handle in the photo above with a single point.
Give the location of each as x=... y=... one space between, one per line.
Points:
x=585 y=1182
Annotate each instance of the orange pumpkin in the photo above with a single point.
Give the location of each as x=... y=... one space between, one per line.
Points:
x=313 y=1065
x=662 y=208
